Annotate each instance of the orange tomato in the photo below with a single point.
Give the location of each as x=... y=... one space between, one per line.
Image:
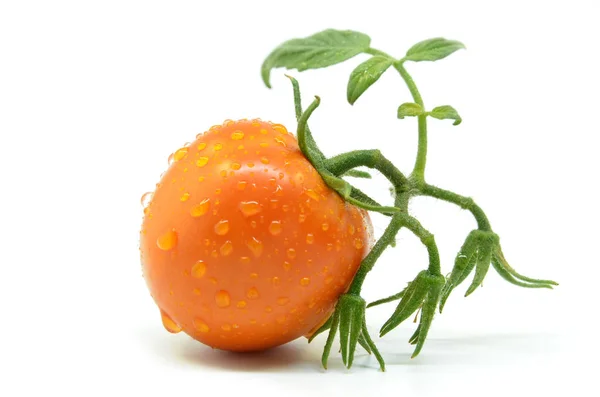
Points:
x=243 y=246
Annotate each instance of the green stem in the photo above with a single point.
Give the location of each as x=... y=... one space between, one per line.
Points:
x=466 y=203
x=419 y=169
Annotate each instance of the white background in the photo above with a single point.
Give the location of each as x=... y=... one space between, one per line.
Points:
x=95 y=95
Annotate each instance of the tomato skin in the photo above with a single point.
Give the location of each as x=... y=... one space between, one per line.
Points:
x=243 y=246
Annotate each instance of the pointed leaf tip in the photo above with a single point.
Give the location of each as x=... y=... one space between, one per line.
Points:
x=433 y=49
x=365 y=75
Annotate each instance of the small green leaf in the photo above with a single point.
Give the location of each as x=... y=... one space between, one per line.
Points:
x=320 y=50
x=446 y=112
x=365 y=75
x=411 y=301
x=409 y=110
x=357 y=174
x=352 y=314
x=432 y=49
x=367 y=337
x=427 y=314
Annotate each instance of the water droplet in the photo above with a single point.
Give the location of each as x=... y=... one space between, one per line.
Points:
x=200 y=325
x=237 y=135
x=328 y=279
x=264 y=131
x=245 y=260
x=252 y=293
x=167 y=241
x=291 y=253
x=180 y=154
x=280 y=319
x=351 y=229
x=228 y=122
x=222 y=227
x=199 y=269
x=264 y=160
x=201 y=146
x=212 y=280
x=170 y=159
x=241 y=304
x=301 y=218
x=236 y=166
x=250 y=165
x=325 y=226
x=146 y=199
x=263 y=144
x=226 y=248
x=287 y=265
x=280 y=141
x=358 y=244
x=285 y=208
x=197 y=291
x=201 y=208
x=310 y=238
x=256 y=246
x=280 y=128
x=268 y=309
x=250 y=208
x=226 y=327
x=201 y=178
x=312 y=194
x=185 y=196
x=217 y=147
x=282 y=301
x=312 y=304
x=202 y=161
x=222 y=298
x=169 y=324
x=304 y=281
x=275 y=228
x=275 y=280
x=242 y=185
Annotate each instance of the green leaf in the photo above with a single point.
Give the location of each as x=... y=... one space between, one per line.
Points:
x=446 y=112
x=411 y=301
x=320 y=50
x=352 y=315
x=427 y=313
x=365 y=75
x=409 y=110
x=433 y=49
x=357 y=174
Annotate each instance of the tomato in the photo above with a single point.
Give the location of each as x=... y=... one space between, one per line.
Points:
x=243 y=246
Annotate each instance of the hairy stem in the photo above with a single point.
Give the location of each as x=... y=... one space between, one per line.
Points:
x=419 y=168
x=463 y=202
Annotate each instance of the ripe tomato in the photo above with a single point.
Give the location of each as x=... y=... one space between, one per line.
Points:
x=243 y=246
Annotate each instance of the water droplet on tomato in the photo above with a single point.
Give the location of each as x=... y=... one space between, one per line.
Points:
x=280 y=141
x=201 y=208
x=291 y=253
x=170 y=159
x=310 y=238
x=180 y=154
x=200 y=325
x=226 y=327
x=275 y=228
x=202 y=161
x=264 y=131
x=256 y=246
x=268 y=309
x=254 y=276
x=287 y=265
x=250 y=208
x=199 y=269
x=242 y=185
x=169 y=324
x=146 y=199
x=264 y=160
x=358 y=244
x=167 y=241
x=201 y=146
x=236 y=166
x=328 y=279
x=351 y=230
x=301 y=218
x=252 y=293
x=304 y=281
x=325 y=226
x=226 y=248
x=185 y=196
x=275 y=280
x=282 y=301
x=222 y=298
x=222 y=227
x=241 y=304
x=312 y=194
x=280 y=319
x=280 y=128
x=237 y=135
x=217 y=147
